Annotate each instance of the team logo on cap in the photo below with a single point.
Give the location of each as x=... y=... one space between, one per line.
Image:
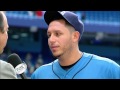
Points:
x=63 y=12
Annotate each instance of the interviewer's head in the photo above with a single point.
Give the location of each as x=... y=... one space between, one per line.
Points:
x=3 y=31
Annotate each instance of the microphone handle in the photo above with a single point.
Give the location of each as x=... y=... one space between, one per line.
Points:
x=23 y=76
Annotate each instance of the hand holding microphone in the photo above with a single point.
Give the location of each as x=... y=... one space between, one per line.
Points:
x=18 y=64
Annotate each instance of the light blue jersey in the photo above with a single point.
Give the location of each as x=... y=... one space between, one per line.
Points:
x=88 y=67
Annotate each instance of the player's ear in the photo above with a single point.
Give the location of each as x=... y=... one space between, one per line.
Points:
x=76 y=36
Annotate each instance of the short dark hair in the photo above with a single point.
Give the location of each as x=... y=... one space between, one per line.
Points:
x=1 y=22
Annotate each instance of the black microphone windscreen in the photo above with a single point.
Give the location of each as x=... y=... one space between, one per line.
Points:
x=17 y=63
x=14 y=59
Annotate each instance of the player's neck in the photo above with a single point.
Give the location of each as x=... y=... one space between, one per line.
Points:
x=70 y=59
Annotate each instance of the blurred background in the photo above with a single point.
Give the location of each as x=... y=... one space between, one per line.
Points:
x=28 y=36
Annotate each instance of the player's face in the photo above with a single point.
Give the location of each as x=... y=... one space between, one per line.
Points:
x=59 y=38
x=4 y=35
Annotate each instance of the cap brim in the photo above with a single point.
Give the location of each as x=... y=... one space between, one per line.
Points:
x=52 y=15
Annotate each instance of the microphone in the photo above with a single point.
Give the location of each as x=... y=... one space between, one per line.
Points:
x=18 y=64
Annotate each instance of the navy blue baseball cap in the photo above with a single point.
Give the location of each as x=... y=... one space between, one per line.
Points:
x=69 y=16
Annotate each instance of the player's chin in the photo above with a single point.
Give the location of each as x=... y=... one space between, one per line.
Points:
x=56 y=55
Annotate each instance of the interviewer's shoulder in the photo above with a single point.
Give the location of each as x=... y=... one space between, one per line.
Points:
x=7 y=71
x=3 y=63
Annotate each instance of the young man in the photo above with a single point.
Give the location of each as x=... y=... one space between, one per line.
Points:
x=6 y=70
x=64 y=32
